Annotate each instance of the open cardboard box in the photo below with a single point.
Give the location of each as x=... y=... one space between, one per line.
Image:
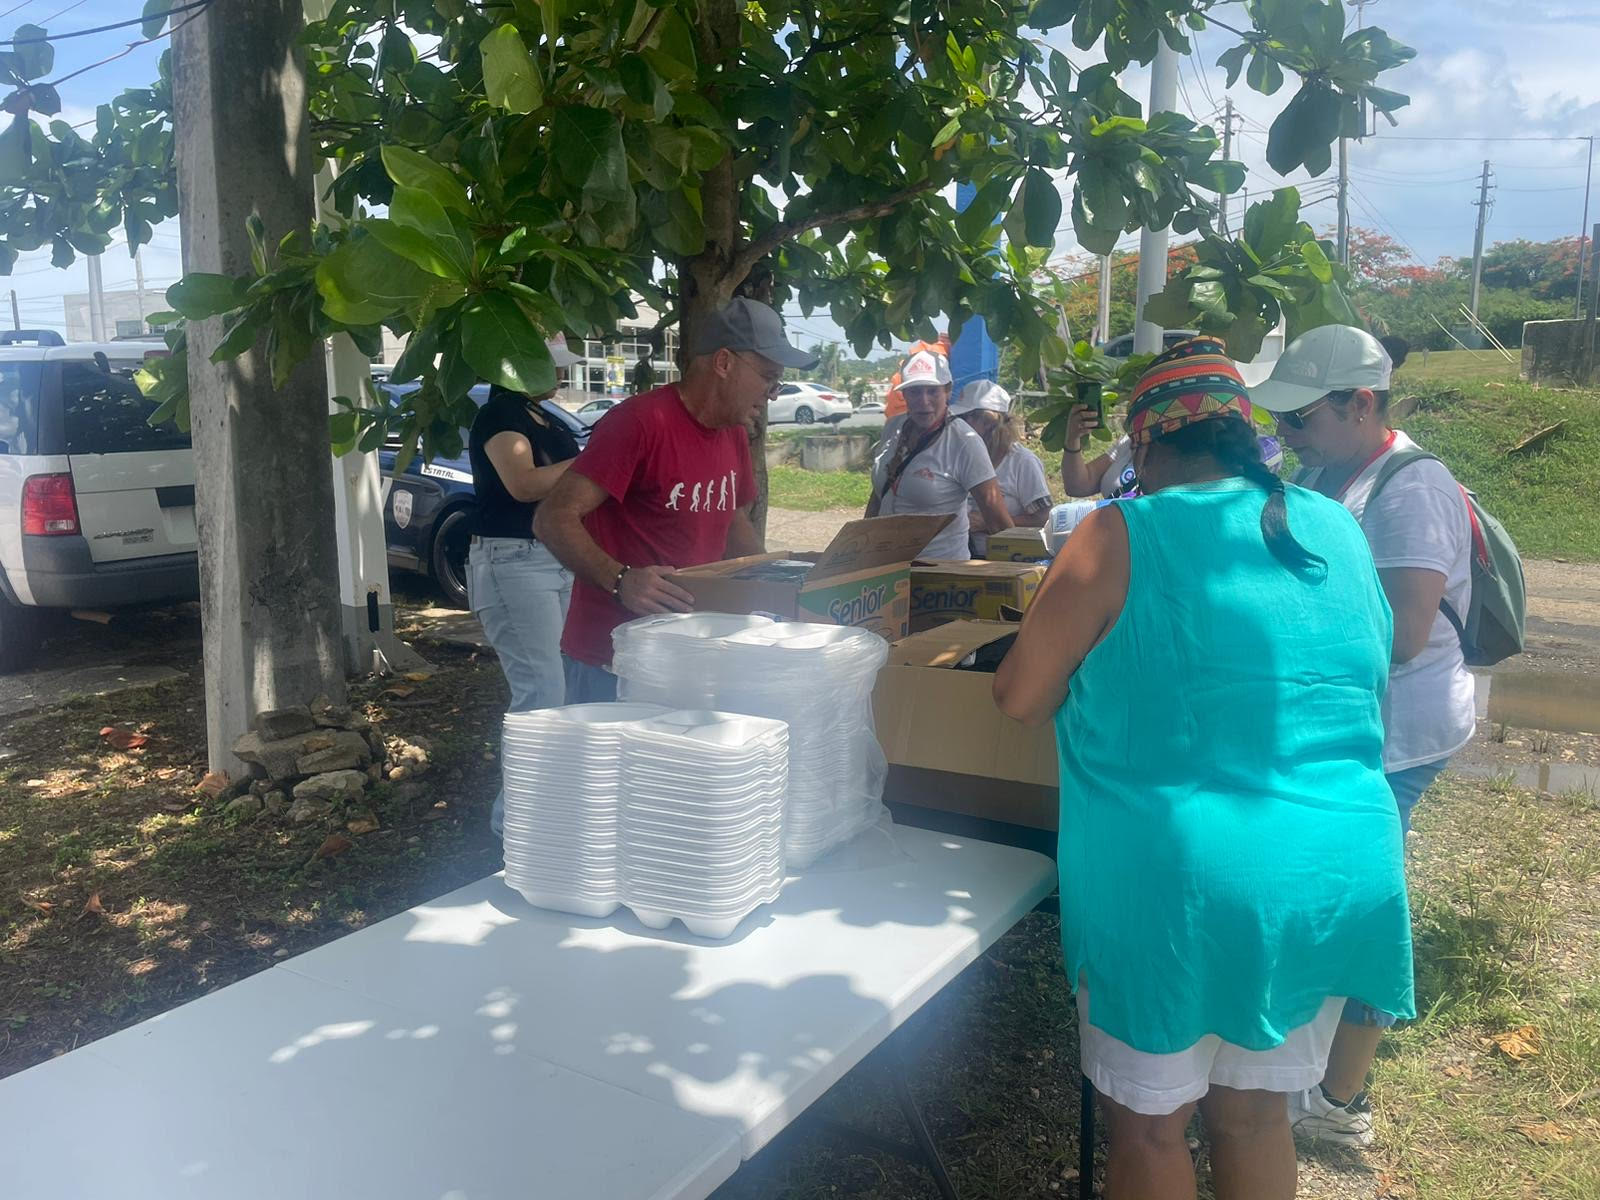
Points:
x=972 y=591
x=948 y=746
x=1018 y=545
x=863 y=578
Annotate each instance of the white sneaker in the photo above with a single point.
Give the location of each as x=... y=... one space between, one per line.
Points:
x=1314 y=1117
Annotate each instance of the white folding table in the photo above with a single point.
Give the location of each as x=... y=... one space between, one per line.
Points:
x=476 y=1046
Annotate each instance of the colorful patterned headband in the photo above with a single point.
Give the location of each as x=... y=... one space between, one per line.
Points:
x=1193 y=381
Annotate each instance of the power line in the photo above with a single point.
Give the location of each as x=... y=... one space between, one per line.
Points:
x=16 y=8
x=1522 y=137
x=61 y=37
x=63 y=12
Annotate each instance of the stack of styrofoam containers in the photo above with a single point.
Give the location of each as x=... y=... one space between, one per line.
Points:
x=817 y=679
x=676 y=815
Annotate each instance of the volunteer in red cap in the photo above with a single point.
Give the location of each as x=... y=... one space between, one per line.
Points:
x=931 y=463
x=664 y=483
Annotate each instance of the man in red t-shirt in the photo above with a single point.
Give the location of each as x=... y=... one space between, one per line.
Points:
x=665 y=482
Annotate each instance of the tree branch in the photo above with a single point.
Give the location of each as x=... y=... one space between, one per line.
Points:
x=744 y=262
x=650 y=27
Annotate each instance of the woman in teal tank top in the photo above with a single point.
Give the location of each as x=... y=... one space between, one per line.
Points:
x=1214 y=654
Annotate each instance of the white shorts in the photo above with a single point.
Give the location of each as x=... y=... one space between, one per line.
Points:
x=1158 y=1084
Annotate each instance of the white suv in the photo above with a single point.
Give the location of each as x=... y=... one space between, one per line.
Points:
x=96 y=504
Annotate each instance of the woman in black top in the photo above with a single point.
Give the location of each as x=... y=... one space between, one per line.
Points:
x=518 y=591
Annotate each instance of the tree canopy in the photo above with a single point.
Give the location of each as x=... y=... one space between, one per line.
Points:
x=525 y=167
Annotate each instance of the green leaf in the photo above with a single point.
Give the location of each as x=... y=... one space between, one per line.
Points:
x=200 y=295
x=342 y=430
x=673 y=47
x=1100 y=192
x=419 y=248
x=33 y=58
x=1170 y=307
x=1220 y=175
x=979 y=215
x=409 y=169
x=1305 y=130
x=1269 y=224
x=643 y=86
x=707 y=148
x=154 y=17
x=364 y=282
x=416 y=209
x=1060 y=74
x=502 y=345
x=16 y=142
x=586 y=144
x=1315 y=259
x=511 y=79
x=243 y=330
x=1265 y=76
x=676 y=221
x=43 y=99
x=1041 y=208
x=1233 y=61
x=256 y=229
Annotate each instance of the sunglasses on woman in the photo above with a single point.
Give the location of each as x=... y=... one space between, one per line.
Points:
x=1297 y=419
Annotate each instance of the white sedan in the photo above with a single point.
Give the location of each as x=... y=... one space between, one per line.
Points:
x=806 y=403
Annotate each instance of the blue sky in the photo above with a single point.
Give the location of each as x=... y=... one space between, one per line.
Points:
x=1485 y=69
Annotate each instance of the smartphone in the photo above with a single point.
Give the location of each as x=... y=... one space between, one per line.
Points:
x=1089 y=394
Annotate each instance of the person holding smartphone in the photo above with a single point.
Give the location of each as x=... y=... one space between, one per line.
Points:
x=1111 y=474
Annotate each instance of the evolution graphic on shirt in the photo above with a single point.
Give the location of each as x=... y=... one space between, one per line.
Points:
x=716 y=495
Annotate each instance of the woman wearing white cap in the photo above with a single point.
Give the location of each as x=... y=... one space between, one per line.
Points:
x=1330 y=393
x=518 y=591
x=929 y=463
x=986 y=406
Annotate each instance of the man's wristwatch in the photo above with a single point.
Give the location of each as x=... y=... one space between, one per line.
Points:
x=616 y=584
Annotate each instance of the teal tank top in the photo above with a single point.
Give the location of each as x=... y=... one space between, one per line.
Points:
x=1230 y=852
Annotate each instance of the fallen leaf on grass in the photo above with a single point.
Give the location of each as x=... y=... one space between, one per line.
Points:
x=1545 y=1133
x=43 y=907
x=1392 y=1188
x=335 y=843
x=1455 y=1071
x=362 y=821
x=123 y=739
x=418 y=676
x=92 y=905
x=1515 y=1044
x=399 y=691
x=177 y=806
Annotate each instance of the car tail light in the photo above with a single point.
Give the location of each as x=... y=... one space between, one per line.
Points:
x=49 y=505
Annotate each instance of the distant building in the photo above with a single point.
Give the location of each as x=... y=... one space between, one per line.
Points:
x=125 y=314
x=608 y=363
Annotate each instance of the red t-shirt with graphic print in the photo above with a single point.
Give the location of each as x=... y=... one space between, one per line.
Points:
x=672 y=486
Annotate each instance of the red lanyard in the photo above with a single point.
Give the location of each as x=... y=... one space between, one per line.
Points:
x=1388 y=445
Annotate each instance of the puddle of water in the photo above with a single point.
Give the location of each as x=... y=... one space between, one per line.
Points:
x=1555 y=779
x=1562 y=703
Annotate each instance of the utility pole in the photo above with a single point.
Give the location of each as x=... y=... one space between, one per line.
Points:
x=1153 y=242
x=16 y=313
x=138 y=284
x=97 y=300
x=269 y=564
x=1227 y=152
x=1344 y=203
x=1103 y=323
x=1477 y=241
x=1588 y=177
x=1594 y=312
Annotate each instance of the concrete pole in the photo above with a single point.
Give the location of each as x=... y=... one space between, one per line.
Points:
x=97 y=300
x=1477 y=240
x=1594 y=314
x=1153 y=242
x=138 y=285
x=1103 y=316
x=1227 y=152
x=1343 y=245
x=269 y=595
x=1588 y=179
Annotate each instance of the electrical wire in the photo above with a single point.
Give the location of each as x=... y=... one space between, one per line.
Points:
x=63 y=12
x=15 y=8
x=76 y=33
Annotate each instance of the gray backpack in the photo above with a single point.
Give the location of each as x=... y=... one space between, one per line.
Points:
x=1492 y=628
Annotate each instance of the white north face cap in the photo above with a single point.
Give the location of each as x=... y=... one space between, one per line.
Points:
x=1330 y=358
x=983 y=395
x=925 y=369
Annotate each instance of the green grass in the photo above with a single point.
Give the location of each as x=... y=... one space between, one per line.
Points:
x=814 y=491
x=1456 y=367
x=1548 y=499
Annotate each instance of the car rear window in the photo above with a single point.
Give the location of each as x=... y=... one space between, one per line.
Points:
x=107 y=414
x=19 y=407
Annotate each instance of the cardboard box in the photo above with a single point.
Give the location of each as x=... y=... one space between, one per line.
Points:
x=1018 y=545
x=861 y=579
x=976 y=590
x=948 y=746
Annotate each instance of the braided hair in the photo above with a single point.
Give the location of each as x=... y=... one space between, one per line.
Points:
x=1233 y=444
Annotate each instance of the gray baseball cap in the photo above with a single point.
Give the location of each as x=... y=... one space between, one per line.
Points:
x=749 y=325
x=1330 y=358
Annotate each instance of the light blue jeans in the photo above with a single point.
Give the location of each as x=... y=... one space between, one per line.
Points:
x=1407 y=786
x=519 y=593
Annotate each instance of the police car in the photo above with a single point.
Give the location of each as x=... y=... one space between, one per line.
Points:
x=96 y=504
x=430 y=508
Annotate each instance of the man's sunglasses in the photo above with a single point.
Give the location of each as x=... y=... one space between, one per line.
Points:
x=1297 y=419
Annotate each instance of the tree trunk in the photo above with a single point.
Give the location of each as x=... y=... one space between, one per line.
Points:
x=706 y=281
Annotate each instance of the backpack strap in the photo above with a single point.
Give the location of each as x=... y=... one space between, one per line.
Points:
x=1398 y=461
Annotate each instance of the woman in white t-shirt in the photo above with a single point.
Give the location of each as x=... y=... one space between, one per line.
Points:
x=931 y=463
x=986 y=406
x=1330 y=392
